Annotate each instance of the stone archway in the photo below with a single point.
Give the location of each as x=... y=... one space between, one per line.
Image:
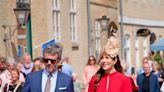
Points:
x=143 y=32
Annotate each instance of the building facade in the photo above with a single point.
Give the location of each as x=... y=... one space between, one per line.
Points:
x=141 y=19
x=61 y=21
x=65 y=21
x=8 y=27
x=99 y=8
x=74 y=24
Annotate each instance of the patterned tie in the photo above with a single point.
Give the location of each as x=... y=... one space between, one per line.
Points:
x=48 y=84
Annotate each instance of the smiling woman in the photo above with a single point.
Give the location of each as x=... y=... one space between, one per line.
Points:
x=16 y=85
x=110 y=76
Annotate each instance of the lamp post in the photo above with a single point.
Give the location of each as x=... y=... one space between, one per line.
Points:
x=104 y=21
x=111 y=27
x=22 y=12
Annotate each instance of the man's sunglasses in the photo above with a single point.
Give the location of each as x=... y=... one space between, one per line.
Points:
x=45 y=60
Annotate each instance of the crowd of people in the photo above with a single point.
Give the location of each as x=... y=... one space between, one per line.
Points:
x=54 y=73
x=32 y=75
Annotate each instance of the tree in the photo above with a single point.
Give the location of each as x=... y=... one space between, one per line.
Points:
x=158 y=58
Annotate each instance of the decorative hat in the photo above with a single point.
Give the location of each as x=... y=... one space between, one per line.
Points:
x=112 y=46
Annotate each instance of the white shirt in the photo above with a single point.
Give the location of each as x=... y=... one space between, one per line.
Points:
x=53 y=80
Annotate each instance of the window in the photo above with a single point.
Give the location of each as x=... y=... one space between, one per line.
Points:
x=56 y=4
x=127 y=49
x=56 y=20
x=137 y=52
x=97 y=31
x=145 y=46
x=73 y=29
x=72 y=5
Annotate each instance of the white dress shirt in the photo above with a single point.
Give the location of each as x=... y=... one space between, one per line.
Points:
x=53 y=80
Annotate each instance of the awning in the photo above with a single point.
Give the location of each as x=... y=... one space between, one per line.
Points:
x=158 y=46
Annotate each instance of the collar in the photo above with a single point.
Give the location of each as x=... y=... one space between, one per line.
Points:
x=47 y=73
x=147 y=76
x=110 y=74
x=28 y=66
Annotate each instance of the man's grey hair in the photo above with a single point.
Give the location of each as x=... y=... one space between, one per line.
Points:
x=26 y=55
x=54 y=49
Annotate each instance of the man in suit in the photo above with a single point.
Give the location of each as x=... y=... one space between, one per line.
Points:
x=147 y=81
x=59 y=82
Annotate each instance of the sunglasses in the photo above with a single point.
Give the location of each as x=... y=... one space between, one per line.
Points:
x=45 y=60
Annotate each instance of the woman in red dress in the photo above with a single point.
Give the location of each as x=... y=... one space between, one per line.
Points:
x=110 y=77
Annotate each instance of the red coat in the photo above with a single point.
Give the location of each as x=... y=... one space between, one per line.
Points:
x=117 y=82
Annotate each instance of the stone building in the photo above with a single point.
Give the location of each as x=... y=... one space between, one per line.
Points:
x=8 y=34
x=99 y=8
x=142 y=19
x=64 y=21
x=74 y=24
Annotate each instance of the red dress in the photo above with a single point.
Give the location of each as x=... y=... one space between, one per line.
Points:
x=115 y=82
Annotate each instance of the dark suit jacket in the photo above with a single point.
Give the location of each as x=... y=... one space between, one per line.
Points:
x=33 y=82
x=154 y=84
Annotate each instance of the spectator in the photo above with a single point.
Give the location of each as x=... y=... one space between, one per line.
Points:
x=133 y=79
x=27 y=64
x=66 y=67
x=76 y=83
x=6 y=75
x=132 y=75
x=38 y=62
x=147 y=81
x=145 y=60
x=19 y=67
x=155 y=67
x=15 y=85
x=2 y=64
x=36 y=68
x=89 y=70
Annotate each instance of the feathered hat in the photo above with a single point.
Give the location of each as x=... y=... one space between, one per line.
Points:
x=112 y=46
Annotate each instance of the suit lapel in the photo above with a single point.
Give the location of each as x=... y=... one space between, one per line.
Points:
x=40 y=81
x=59 y=81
